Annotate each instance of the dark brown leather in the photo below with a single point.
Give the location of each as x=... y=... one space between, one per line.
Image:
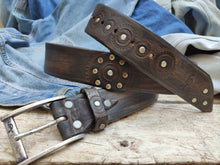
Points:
x=115 y=106
x=77 y=64
x=152 y=56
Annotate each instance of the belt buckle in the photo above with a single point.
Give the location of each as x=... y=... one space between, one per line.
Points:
x=15 y=137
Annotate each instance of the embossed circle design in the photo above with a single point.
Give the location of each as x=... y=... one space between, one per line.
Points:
x=123 y=36
x=162 y=59
x=142 y=44
x=110 y=72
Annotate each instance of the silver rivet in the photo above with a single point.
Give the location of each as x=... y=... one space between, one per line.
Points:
x=107 y=103
x=68 y=104
x=108 y=86
x=100 y=60
x=97 y=103
x=123 y=37
x=102 y=126
x=111 y=57
x=119 y=85
x=142 y=49
x=125 y=75
x=108 y=27
x=110 y=72
x=97 y=82
x=77 y=124
x=97 y=20
x=205 y=91
x=194 y=100
x=204 y=103
x=95 y=71
x=121 y=62
x=163 y=64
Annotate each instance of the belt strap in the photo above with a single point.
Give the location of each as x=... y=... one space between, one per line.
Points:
x=97 y=68
x=152 y=56
x=75 y=116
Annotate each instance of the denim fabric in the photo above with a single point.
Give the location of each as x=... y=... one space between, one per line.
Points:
x=202 y=50
x=157 y=19
x=201 y=16
x=22 y=78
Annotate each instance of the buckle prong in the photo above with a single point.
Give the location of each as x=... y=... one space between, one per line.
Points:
x=54 y=122
x=15 y=137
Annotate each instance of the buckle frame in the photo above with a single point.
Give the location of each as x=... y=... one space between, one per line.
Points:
x=15 y=137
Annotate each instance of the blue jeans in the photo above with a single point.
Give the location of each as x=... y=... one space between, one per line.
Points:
x=29 y=25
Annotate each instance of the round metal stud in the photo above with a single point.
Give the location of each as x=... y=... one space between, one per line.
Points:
x=97 y=82
x=97 y=103
x=102 y=126
x=107 y=103
x=119 y=85
x=123 y=37
x=205 y=91
x=108 y=86
x=97 y=20
x=100 y=60
x=142 y=49
x=108 y=27
x=77 y=124
x=95 y=71
x=205 y=103
x=163 y=64
x=111 y=57
x=194 y=100
x=68 y=104
x=110 y=72
x=121 y=62
x=125 y=75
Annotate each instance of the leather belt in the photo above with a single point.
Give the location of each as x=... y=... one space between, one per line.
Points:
x=91 y=110
x=140 y=61
x=152 y=56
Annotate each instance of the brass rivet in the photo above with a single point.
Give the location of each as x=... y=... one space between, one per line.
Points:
x=142 y=49
x=108 y=27
x=97 y=82
x=97 y=103
x=123 y=37
x=102 y=126
x=110 y=72
x=205 y=91
x=204 y=103
x=119 y=85
x=100 y=60
x=125 y=75
x=163 y=64
x=194 y=100
x=108 y=86
x=121 y=62
x=111 y=57
x=97 y=20
x=95 y=71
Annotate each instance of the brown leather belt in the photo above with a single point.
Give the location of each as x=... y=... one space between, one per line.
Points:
x=91 y=110
x=140 y=61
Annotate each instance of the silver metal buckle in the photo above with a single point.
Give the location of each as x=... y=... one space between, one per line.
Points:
x=15 y=136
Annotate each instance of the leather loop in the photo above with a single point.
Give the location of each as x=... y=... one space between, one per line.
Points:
x=98 y=109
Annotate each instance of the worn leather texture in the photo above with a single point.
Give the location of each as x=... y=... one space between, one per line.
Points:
x=152 y=56
x=115 y=106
